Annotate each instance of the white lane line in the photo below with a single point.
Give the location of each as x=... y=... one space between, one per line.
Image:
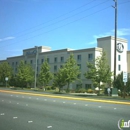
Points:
x=54 y=100
x=2 y=100
x=9 y=101
x=17 y=103
x=45 y=99
x=49 y=127
x=74 y=103
x=15 y=117
x=30 y=121
x=37 y=98
x=86 y=104
x=2 y=114
x=11 y=95
x=29 y=97
x=26 y=104
x=22 y=96
x=63 y=102
x=114 y=108
x=99 y=106
x=17 y=96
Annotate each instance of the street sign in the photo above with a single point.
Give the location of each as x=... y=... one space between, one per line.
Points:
x=6 y=78
x=124 y=76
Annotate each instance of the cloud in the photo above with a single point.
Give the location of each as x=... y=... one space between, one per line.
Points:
x=120 y=33
x=6 y=38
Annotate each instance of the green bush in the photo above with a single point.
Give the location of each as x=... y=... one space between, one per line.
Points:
x=81 y=90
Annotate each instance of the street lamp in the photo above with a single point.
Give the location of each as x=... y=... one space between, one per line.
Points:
x=35 y=82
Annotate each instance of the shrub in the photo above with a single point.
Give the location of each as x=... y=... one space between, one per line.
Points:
x=81 y=90
x=90 y=91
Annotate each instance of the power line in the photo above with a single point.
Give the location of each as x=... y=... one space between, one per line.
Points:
x=57 y=17
x=63 y=25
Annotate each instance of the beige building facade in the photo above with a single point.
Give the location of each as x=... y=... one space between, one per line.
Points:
x=57 y=58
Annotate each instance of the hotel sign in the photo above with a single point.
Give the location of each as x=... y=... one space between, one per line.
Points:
x=31 y=52
x=120 y=47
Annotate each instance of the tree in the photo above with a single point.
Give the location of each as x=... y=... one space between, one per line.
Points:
x=59 y=79
x=5 y=71
x=119 y=84
x=99 y=71
x=25 y=74
x=45 y=75
x=71 y=71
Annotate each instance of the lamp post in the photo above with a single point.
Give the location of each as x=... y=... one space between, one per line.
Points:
x=35 y=82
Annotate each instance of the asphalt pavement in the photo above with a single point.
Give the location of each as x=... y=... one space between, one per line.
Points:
x=27 y=111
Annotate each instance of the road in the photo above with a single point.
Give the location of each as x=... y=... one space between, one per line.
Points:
x=29 y=112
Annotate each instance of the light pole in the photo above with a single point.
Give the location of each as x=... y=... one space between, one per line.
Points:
x=35 y=82
x=115 y=38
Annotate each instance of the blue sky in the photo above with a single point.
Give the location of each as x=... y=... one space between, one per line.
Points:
x=59 y=24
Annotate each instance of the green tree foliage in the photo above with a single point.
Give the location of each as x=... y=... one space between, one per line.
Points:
x=99 y=71
x=71 y=71
x=119 y=84
x=5 y=71
x=60 y=79
x=45 y=75
x=25 y=74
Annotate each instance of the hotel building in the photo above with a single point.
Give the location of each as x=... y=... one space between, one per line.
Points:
x=57 y=58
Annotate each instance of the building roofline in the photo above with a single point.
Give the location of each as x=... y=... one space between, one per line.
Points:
x=112 y=37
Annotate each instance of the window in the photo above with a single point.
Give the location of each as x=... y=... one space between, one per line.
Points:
x=16 y=63
x=12 y=63
x=87 y=86
x=55 y=68
x=119 y=57
x=31 y=61
x=61 y=66
x=42 y=60
x=25 y=62
x=55 y=59
x=119 y=67
x=79 y=76
x=90 y=56
x=78 y=86
x=62 y=59
x=48 y=60
x=78 y=57
x=79 y=66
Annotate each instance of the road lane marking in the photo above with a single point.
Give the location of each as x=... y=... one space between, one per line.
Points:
x=22 y=96
x=74 y=103
x=17 y=96
x=114 y=108
x=49 y=127
x=2 y=100
x=11 y=95
x=37 y=98
x=29 y=97
x=9 y=101
x=30 y=121
x=54 y=100
x=26 y=104
x=45 y=99
x=15 y=117
x=99 y=106
x=63 y=102
x=17 y=103
x=2 y=114
x=69 y=98
x=86 y=104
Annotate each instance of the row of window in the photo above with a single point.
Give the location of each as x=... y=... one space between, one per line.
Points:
x=90 y=57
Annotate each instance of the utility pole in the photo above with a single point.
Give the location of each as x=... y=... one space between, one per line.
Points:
x=35 y=82
x=115 y=7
